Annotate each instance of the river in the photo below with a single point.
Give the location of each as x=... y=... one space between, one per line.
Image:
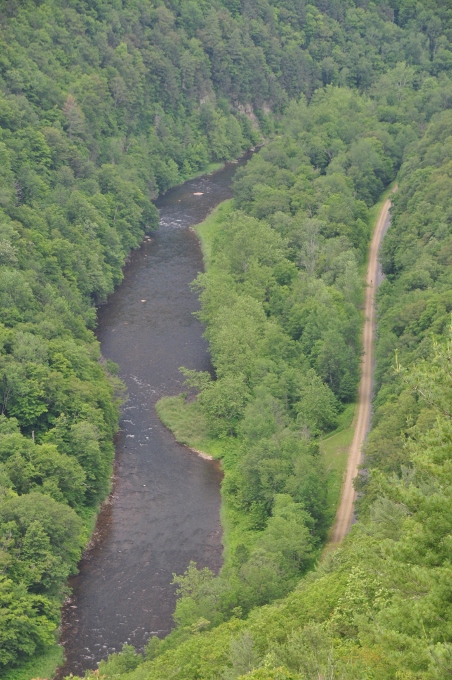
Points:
x=164 y=509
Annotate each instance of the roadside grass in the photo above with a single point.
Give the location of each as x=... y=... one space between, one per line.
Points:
x=334 y=452
x=42 y=666
x=375 y=210
x=373 y=215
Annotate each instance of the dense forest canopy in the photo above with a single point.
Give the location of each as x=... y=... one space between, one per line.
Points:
x=378 y=606
x=104 y=104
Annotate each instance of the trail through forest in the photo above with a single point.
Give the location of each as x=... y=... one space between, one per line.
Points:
x=344 y=515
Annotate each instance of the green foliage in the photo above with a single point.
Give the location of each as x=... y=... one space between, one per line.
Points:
x=378 y=607
x=281 y=305
x=41 y=665
x=414 y=300
x=102 y=106
x=41 y=541
x=28 y=622
x=122 y=662
x=90 y=133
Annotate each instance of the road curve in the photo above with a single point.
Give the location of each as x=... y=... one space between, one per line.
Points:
x=344 y=515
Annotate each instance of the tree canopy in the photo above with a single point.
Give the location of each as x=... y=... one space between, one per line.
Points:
x=102 y=106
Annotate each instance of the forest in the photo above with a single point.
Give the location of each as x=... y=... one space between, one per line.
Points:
x=104 y=105
x=379 y=605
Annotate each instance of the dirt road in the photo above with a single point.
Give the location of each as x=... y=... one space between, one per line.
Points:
x=344 y=515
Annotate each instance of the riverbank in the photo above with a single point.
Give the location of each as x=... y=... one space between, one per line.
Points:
x=149 y=340
x=45 y=664
x=182 y=415
x=184 y=418
x=211 y=228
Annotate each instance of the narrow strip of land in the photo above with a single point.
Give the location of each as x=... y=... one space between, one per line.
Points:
x=344 y=515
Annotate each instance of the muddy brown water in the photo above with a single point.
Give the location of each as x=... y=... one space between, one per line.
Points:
x=164 y=510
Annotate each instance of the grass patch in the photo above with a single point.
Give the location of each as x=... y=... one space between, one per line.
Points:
x=334 y=451
x=185 y=421
x=374 y=211
x=206 y=170
x=42 y=666
x=212 y=228
x=188 y=425
x=344 y=421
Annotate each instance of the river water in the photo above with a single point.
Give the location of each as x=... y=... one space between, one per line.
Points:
x=164 y=509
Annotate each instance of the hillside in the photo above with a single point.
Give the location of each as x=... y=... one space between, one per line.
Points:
x=378 y=606
x=103 y=105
